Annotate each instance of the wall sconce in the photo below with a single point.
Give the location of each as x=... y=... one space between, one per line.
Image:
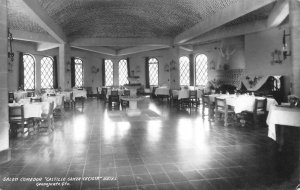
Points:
x=172 y=65
x=94 y=69
x=10 y=53
x=137 y=69
x=285 y=51
x=68 y=66
x=167 y=68
x=276 y=57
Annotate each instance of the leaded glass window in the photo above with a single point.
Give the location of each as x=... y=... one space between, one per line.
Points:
x=123 y=72
x=47 y=72
x=78 y=72
x=184 y=69
x=29 y=72
x=201 y=70
x=109 y=73
x=153 y=71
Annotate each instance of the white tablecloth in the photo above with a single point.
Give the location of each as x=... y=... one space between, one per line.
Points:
x=282 y=116
x=79 y=93
x=56 y=99
x=185 y=93
x=19 y=95
x=242 y=102
x=34 y=109
x=162 y=91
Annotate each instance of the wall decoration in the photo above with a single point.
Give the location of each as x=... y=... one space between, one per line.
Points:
x=276 y=57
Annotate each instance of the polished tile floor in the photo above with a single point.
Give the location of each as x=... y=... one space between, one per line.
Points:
x=162 y=149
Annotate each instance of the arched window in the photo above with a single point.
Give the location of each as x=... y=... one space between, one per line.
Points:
x=47 y=72
x=109 y=72
x=153 y=71
x=184 y=69
x=29 y=72
x=201 y=70
x=123 y=72
x=78 y=72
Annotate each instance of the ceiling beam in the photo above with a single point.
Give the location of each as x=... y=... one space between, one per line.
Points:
x=279 y=13
x=101 y=50
x=46 y=46
x=120 y=41
x=139 y=49
x=241 y=29
x=224 y=16
x=32 y=36
x=39 y=15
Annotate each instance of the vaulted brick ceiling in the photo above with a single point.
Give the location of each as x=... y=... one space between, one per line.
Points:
x=102 y=19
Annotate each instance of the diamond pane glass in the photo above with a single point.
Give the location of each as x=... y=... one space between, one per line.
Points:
x=184 y=68
x=123 y=73
x=47 y=72
x=201 y=70
x=29 y=72
x=109 y=73
x=78 y=73
x=153 y=71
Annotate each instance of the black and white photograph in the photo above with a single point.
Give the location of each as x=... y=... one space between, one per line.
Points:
x=149 y=94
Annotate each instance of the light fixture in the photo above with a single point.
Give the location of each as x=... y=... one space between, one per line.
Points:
x=10 y=53
x=285 y=51
x=172 y=65
x=68 y=66
x=94 y=69
x=276 y=57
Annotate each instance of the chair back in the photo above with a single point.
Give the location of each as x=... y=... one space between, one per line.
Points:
x=11 y=97
x=16 y=113
x=51 y=107
x=260 y=105
x=220 y=104
x=193 y=94
x=71 y=96
x=205 y=100
x=104 y=91
x=126 y=93
x=114 y=93
x=30 y=94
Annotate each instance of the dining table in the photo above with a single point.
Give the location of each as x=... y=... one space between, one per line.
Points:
x=33 y=110
x=282 y=115
x=57 y=99
x=243 y=102
x=185 y=93
x=19 y=95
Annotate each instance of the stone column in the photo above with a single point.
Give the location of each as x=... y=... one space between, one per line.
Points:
x=4 y=124
x=64 y=67
x=295 y=43
x=174 y=67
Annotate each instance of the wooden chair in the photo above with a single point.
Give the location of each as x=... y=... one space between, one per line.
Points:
x=124 y=103
x=98 y=92
x=79 y=101
x=207 y=104
x=104 y=94
x=47 y=122
x=70 y=102
x=30 y=94
x=221 y=108
x=114 y=100
x=11 y=97
x=17 y=121
x=257 y=117
x=193 y=99
x=59 y=111
x=35 y=99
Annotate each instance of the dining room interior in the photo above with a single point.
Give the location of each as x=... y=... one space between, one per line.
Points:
x=149 y=94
